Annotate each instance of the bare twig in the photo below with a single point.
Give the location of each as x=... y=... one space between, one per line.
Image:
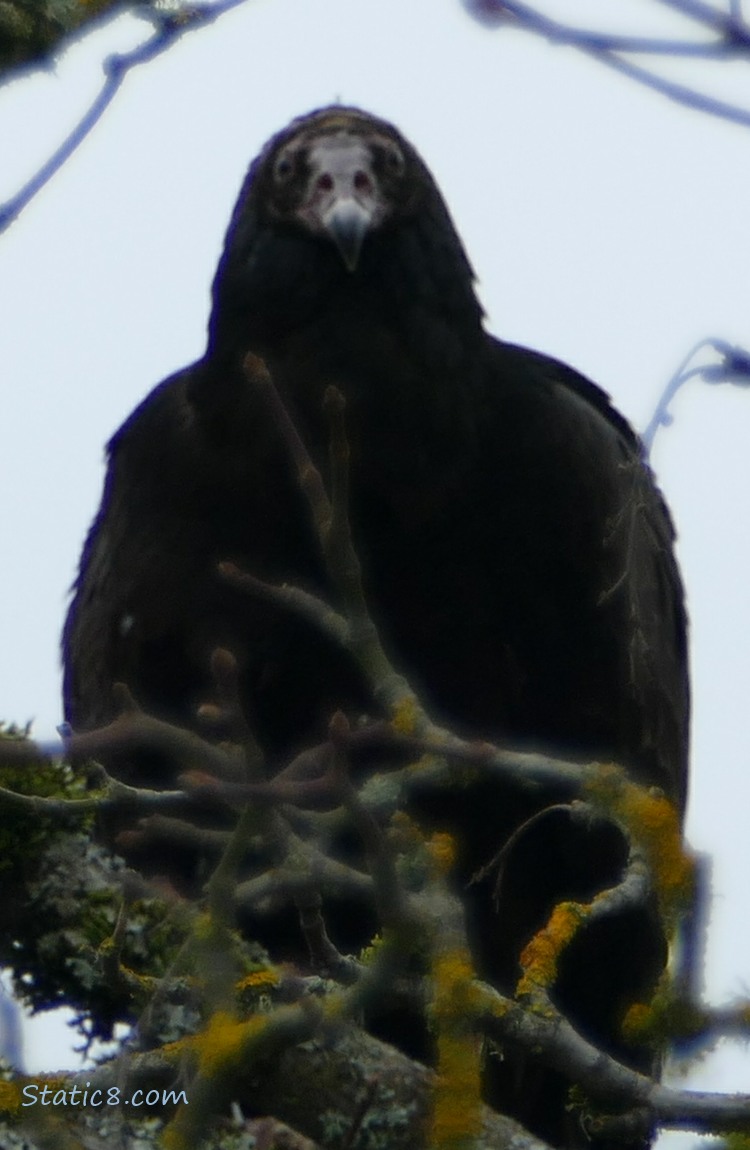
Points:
x=271 y=793
x=517 y=14
x=166 y=834
x=498 y=862
x=732 y=39
x=323 y=954
x=329 y=621
x=135 y=731
x=227 y=715
x=115 y=795
x=310 y=479
x=278 y=886
x=679 y=93
x=334 y=534
x=733 y=367
x=389 y=897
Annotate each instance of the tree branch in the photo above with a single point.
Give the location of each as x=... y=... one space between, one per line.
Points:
x=732 y=39
x=560 y=1046
x=733 y=367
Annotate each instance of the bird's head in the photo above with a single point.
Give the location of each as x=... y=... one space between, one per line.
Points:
x=340 y=175
x=337 y=202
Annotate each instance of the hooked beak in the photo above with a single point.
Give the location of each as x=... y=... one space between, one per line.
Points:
x=343 y=199
x=347 y=222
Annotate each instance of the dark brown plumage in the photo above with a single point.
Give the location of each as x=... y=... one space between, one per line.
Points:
x=517 y=555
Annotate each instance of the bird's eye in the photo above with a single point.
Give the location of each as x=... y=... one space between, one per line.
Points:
x=394 y=161
x=283 y=170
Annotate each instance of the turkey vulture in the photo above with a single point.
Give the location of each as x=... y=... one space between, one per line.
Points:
x=516 y=553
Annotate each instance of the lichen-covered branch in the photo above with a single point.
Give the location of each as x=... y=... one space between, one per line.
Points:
x=237 y=1014
x=602 y=1078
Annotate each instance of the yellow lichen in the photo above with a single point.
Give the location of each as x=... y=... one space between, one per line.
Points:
x=540 y=956
x=637 y=1024
x=172 y=1138
x=204 y=927
x=10 y=1097
x=456 y=1116
x=264 y=979
x=145 y=982
x=453 y=974
x=222 y=1044
x=442 y=849
x=667 y=1016
x=403 y=832
x=654 y=824
x=425 y=763
x=369 y=953
x=736 y=1140
x=404 y=718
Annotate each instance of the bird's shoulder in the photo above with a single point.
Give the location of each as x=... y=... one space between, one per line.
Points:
x=161 y=422
x=542 y=384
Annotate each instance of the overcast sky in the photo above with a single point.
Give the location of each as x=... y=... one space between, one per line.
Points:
x=607 y=226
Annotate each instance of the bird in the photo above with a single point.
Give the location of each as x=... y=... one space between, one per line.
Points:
x=517 y=555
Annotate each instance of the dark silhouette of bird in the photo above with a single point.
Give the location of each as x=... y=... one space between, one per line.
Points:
x=517 y=556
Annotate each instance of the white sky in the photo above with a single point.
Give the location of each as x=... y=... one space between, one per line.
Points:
x=607 y=226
